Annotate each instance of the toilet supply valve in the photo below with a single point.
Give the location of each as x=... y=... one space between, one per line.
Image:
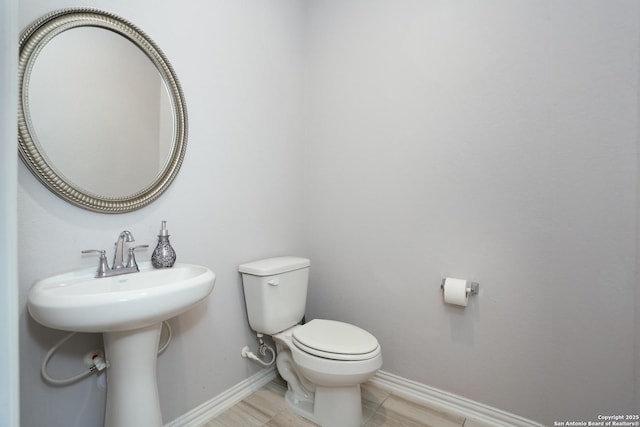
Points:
x=246 y=352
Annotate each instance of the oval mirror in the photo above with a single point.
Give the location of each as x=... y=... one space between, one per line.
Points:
x=102 y=120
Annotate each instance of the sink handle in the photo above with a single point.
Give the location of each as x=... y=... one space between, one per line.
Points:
x=131 y=262
x=103 y=267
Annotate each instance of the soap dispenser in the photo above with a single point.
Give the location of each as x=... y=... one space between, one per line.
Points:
x=163 y=255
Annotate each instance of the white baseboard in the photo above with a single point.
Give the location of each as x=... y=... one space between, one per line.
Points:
x=220 y=403
x=399 y=386
x=448 y=402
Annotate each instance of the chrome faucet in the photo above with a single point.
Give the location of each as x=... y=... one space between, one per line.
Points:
x=117 y=267
x=118 y=262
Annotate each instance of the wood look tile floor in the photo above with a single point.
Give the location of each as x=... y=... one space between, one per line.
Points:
x=266 y=408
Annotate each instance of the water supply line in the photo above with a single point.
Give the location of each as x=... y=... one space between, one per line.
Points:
x=169 y=333
x=99 y=363
x=64 y=381
x=246 y=352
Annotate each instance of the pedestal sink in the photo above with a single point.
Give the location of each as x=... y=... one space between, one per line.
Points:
x=128 y=310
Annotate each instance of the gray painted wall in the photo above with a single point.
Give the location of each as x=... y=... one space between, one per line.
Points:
x=494 y=141
x=393 y=143
x=236 y=199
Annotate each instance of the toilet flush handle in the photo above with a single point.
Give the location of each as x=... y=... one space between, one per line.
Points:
x=274 y=282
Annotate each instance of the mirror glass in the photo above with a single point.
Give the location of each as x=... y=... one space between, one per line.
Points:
x=109 y=95
x=103 y=121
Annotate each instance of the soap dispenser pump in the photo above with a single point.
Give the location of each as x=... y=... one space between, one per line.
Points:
x=163 y=255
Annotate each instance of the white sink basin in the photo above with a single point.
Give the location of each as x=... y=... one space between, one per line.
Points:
x=128 y=310
x=77 y=301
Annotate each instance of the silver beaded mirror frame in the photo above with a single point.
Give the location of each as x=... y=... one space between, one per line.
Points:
x=32 y=42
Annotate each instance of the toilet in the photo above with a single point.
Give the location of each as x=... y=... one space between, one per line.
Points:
x=323 y=361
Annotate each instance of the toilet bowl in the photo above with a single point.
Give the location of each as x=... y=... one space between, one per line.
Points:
x=323 y=361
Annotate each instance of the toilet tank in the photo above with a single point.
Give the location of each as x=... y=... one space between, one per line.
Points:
x=275 y=292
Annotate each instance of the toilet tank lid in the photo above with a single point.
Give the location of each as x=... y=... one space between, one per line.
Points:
x=276 y=265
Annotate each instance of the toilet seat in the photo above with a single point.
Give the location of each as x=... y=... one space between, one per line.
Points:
x=335 y=340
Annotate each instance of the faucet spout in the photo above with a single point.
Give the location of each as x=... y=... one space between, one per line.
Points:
x=118 y=262
x=118 y=267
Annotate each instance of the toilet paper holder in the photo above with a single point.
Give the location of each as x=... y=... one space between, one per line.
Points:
x=472 y=287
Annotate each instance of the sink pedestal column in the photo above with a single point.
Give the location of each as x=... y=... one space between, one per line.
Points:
x=132 y=391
